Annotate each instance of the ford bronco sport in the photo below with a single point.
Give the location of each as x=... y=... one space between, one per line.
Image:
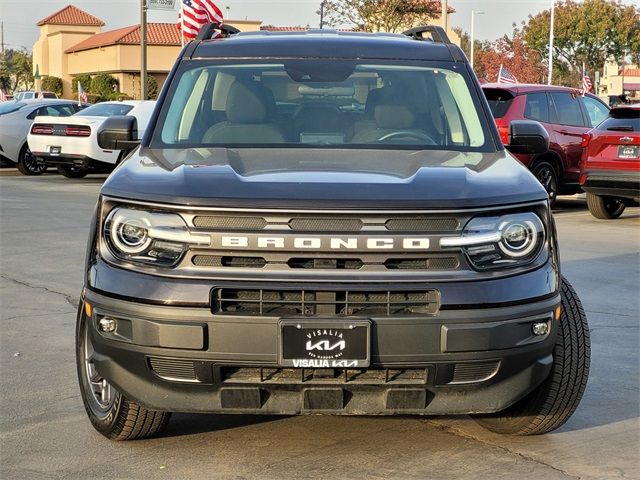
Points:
x=326 y=222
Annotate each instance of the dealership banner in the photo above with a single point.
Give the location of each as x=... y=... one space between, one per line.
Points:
x=161 y=4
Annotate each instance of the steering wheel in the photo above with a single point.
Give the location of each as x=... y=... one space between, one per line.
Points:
x=405 y=133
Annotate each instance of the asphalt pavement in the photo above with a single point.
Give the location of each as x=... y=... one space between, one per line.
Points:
x=44 y=432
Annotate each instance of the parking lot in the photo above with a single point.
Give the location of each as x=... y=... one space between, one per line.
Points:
x=44 y=432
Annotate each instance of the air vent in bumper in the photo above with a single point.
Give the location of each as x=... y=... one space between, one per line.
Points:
x=286 y=302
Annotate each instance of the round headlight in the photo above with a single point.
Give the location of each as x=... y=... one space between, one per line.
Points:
x=129 y=233
x=519 y=238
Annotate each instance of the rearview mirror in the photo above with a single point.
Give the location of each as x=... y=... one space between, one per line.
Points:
x=119 y=132
x=527 y=136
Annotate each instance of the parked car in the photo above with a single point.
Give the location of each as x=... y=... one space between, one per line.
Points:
x=610 y=167
x=34 y=95
x=255 y=258
x=564 y=113
x=16 y=118
x=71 y=143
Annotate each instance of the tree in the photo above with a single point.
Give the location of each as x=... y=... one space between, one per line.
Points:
x=152 y=87
x=590 y=31
x=381 y=15
x=514 y=54
x=52 y=84
x=85 y=81
x=16 y=70
x=104 y=85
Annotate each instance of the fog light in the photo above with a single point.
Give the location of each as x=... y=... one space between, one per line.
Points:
x=540 y=328
x=107 y=325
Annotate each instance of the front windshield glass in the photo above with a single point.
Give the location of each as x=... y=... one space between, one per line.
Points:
x=322 y=103
x=11 y=106
x=105 y=110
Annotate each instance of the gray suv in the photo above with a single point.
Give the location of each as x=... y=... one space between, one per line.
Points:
x=326 y=222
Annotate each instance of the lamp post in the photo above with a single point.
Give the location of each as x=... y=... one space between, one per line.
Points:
x=473 y=24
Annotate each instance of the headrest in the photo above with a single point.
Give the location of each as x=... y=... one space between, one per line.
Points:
x=246 y=104
x=394 y=116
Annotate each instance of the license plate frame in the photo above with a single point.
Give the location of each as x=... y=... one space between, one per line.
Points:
x=633 y=152
x=55 y=150
x=324 y=343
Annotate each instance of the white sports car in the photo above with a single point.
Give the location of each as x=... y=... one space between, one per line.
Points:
x=71 y=144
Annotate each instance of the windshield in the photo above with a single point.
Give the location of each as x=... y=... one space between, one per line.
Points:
x=321 y=103
x=11 y=106
x=105 y=110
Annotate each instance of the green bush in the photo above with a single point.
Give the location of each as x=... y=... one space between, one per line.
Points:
x=84 y=79
x=52 y=84
x=152 y=88
x=103 y=84
x=94 y=97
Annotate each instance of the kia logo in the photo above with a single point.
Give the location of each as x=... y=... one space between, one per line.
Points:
x=325 y=345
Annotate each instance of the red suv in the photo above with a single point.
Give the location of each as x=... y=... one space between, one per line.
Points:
x=610 y=168
x=565 y=114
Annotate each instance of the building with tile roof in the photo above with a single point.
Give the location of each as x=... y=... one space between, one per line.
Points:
x=72 y=43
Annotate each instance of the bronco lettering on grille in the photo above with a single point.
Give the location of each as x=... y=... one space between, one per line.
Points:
x=261 y=242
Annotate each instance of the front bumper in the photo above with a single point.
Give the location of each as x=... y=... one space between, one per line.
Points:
x=612 y=183
x=186 y=359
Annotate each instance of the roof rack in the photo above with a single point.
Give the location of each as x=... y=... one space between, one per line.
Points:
x=208 y=29
x=438 y=35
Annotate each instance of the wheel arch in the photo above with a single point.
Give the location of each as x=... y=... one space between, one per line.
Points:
x=552 y=157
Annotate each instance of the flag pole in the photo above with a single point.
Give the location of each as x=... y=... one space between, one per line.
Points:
x=143 y=49
x=182 y=22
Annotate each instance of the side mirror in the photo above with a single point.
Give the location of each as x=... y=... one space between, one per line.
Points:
x=527 y=136
x=119 y=132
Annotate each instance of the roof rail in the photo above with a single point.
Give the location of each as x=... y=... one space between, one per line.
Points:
x=208 y=29
x=438 y=35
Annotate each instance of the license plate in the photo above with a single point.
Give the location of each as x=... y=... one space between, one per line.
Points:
x=629 y=151
x=325 y=344
x=55 y=150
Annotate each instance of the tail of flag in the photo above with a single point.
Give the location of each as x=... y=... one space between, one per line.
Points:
x=3 y=96
x=505 y=76
x=194 y=14
x=82 y=95
x=587 y=86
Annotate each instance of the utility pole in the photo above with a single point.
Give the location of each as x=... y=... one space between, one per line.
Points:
x=445 y=15
x=323 y=4
x=1 y=37
x=143 y=49
x=553 y=11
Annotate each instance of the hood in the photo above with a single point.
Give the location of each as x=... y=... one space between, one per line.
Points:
x=319 y=178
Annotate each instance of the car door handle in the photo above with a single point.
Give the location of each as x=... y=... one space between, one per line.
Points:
x=566 y=132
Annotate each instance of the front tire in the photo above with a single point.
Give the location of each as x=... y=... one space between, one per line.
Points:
x=547 y=176
x=109 y=411
x=552 y=403
x=605 y=208
x=28 y=164
x=72 y=172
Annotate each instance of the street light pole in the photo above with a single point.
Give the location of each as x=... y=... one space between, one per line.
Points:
x=143 y=49
x=323 y=5
x=551 y=27
x=473 y=24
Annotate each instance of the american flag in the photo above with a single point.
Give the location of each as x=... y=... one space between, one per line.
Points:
x=505 y=76
x=586 y=82
x=82 y=95
x=194 y=14
x=40 y=95
x=3 y=96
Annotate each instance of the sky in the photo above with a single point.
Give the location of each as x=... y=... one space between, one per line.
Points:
x=20 y=16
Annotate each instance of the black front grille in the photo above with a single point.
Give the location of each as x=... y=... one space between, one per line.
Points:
x=320 y=224
x=422 y=224
x=228 y=261
x=436 y=263
x=230 y=223
x=270 y=302
x=326 y=263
